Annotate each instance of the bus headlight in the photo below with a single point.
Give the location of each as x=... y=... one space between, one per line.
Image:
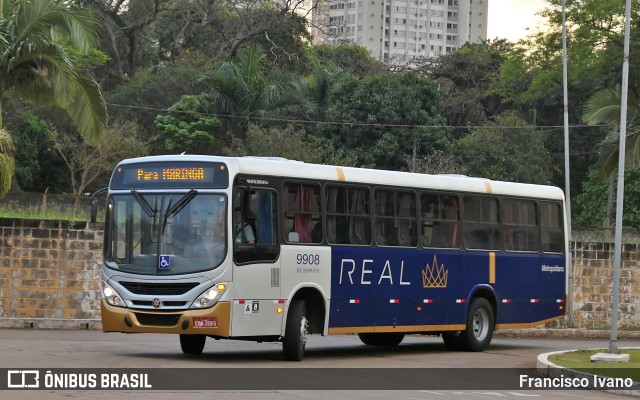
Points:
x=111 y=296
x=210 y=296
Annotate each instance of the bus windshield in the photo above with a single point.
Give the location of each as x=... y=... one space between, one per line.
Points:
x=165 y=234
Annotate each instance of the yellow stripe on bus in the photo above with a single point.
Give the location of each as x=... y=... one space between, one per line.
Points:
x=492 y=267
x=487 y=186
x=396 y=329
x=527 y=324
x=340 y=174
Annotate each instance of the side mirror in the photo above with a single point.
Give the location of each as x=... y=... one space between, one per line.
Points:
x=94 y=205
x=94 y=210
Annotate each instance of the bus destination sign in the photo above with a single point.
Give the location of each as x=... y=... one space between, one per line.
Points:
x=196 y=174
x=186 y=174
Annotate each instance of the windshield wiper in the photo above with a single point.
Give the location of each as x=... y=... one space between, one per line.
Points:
x=176 y=208
x=143 y=203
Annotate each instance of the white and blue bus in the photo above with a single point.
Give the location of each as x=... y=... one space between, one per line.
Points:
x=274 y=250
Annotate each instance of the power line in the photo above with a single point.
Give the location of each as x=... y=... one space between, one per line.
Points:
x=347 y=123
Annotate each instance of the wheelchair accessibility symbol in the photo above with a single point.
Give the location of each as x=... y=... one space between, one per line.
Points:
x=165 y=262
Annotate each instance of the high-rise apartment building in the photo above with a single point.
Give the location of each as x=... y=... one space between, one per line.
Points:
x=401 y=30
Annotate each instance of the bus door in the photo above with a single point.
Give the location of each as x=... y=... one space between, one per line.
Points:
x=305 y=262
x=256 y=275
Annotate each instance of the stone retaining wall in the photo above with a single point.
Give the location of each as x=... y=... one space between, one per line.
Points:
x=50 y=275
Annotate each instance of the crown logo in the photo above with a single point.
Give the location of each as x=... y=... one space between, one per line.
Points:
x=434 y=275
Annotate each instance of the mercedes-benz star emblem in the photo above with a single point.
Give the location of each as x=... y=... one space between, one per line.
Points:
x=156 y=303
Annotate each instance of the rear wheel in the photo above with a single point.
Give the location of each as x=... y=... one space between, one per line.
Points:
x=296 y=331
x=381 y=339
x=480 y=323
x=192 y=344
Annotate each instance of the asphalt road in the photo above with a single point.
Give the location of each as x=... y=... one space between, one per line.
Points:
x=329 y=358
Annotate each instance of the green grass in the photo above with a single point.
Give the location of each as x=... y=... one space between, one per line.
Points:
x=12 y=209
x=580 y=360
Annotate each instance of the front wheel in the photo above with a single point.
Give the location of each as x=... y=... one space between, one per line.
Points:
x=480 y=323
x=296 y=331
x=192 y=344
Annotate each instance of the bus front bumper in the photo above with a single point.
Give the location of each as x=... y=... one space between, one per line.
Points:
x=212 y=321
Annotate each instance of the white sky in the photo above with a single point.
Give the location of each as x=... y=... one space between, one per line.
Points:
x=510 y=18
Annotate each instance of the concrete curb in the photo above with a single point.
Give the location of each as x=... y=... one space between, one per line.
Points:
x=547 y=369
x=48 y=323
x=565 y=333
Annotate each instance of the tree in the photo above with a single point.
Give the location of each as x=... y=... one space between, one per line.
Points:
x=379 y=120
x=40 y=43
x=152 y=90
x=467 y=78
x=33 y=149
x=591 y=203
x=189 y=127
x=436 y=162
x=240 y=92
x=288 y=143
x=90 y=164
x=6 y=160
x=506 y=149
x=604 y=108
x=531 y=77
x=351 y=58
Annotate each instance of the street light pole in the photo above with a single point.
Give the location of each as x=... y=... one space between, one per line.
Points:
x=615 y=291
x=566 y=166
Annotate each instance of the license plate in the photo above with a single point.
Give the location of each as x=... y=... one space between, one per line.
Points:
x=205 y=322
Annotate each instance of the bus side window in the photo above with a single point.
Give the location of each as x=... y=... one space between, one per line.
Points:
x=348 y=217
x=552 y=227
x=440 y=217
x=258 y=212
x=520 y=223
x=301 y=205
x=395 y=223
x=482 y=230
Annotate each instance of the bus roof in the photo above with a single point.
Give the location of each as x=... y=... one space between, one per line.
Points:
x=297 y=169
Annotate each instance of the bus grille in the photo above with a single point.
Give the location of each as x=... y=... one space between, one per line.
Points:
x=158 y=319
x=159 y=288
x=149 y=303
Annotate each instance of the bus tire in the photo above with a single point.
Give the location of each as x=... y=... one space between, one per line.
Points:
x=192 y=344
x=480 y=323
x=296 y=331
x=381 y=339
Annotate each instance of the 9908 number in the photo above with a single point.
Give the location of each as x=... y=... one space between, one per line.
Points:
x=308 y=259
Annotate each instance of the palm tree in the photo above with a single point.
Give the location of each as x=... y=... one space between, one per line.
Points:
x=241 y=92
x=6 y=160
x=604 y=108
x=41 y=41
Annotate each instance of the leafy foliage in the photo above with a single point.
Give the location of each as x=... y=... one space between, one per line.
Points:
x=188 y=127
x=604 y=108
x=90 y=166
x=6 y=161
x=506 y=149
x=592 y=201
x=288 y=143
x=33 y=152
x=377 y=120
x=467 y=78
x=239 y=91
x=351 y=58
x=41 y=44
